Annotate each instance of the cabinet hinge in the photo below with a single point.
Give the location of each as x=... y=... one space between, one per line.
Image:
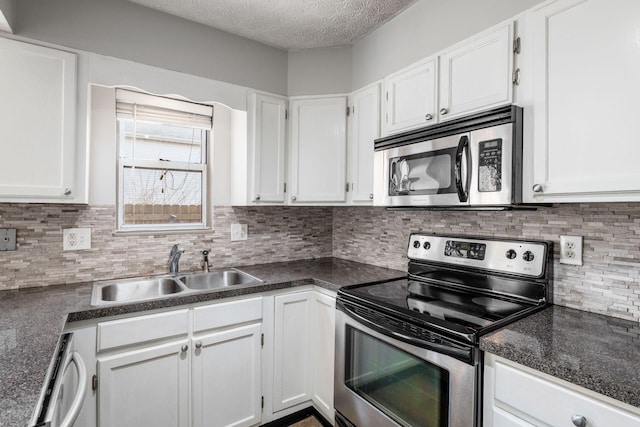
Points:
x=285 y=187
x=94 y=382
x=348 y=111
x=262 y=340
x=346 y=187
x=387 y=95
x=516 y=45
x=286 y=114
x=262 y=402
x=516 y=77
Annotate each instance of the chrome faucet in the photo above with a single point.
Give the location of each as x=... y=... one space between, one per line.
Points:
x=174 y=259
x=205 y=261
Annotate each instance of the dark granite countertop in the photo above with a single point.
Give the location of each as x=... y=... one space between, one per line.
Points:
x=31 y=320
x=599 y=353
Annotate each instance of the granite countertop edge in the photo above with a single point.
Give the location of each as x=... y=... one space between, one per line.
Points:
x=575 y=359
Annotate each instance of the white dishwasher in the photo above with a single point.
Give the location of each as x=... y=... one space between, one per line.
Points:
x=64 y=388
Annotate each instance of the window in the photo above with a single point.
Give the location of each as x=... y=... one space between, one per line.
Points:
x=162 y=162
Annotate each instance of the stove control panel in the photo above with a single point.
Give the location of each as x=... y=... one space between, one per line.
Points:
x=507 y=256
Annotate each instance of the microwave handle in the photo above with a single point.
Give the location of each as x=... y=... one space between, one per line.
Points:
x=462 y=189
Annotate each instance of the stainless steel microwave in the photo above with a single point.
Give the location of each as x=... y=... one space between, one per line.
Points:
x=474 y=161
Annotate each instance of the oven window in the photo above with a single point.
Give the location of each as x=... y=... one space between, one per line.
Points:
x=422 y=174
x=411 y=391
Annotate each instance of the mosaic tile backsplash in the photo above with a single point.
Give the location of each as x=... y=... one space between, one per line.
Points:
x=275 y=234
x=607 y=283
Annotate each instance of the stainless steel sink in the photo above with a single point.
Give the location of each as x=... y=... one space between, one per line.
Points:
x=144 y=289
x=217 y=279
x=134 y=290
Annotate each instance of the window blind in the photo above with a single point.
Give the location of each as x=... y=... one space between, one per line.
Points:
x=145 y=107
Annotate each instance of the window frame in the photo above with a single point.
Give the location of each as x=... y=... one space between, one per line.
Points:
x=157 y=165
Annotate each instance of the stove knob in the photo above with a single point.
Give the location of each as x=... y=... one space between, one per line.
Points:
x=511 y=254
x=426 y=246
x=416 y=244
x=528 y=256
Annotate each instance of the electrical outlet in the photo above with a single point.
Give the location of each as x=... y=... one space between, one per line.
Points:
x=74 y=239
x=571 y=250
x=7 y=239
x=239 y=232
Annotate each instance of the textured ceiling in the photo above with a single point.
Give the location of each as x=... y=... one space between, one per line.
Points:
x=288 y=24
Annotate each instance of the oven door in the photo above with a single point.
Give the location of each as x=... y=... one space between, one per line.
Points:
x=381 y=381
x=428 y=173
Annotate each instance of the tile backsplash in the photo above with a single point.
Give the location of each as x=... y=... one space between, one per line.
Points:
x=275 y=234
x=607 y=283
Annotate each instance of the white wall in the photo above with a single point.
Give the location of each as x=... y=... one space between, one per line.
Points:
x=319 y=71
x=122 y=29
x=6 y=15
x=422 y=30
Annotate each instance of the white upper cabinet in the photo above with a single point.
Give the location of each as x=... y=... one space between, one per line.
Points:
x=267 y=148
x=474 y=75
x=586 y=60
x=364 y=128
x=38 y=125
x=318 y=149
x=411 y=97
x=477 y=73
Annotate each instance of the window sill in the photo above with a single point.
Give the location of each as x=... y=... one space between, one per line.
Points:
x=157 y=231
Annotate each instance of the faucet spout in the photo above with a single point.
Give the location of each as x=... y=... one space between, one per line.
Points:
x=174 y=259
x=205 y=261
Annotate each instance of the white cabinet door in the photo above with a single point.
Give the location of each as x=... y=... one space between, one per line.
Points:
x=318 y=149
x=324 y=320
x=411 y=97
x=477 y=73
x=226 y=378
x=268 y=137
x=292 y=382
x=364 y=128
x=37 y=124
x=586 y=68
x=147 y=387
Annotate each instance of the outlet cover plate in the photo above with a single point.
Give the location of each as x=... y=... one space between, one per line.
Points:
x=7 y=239
x=571 y=250
x=239 y=232
x=75 y=239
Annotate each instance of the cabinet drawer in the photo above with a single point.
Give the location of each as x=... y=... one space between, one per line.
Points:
x=226 y=314
x=503 y=418
x=141 y=329
x=554 y=404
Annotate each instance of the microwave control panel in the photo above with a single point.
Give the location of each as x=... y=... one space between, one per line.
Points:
x=490 y=166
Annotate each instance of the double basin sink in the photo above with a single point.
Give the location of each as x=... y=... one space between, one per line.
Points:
x=140 y=290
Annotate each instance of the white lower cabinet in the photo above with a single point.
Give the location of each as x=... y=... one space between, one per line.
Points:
x=209 y=376
x=292 y=352
x=238 y=363
x=149 y=386
x=226 y=378
x=304 y=331
x=323 y=344
x=516 y=396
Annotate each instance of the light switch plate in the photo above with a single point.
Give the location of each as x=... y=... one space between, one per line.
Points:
x=7 y=239
x=75 y=239
x=238 y=232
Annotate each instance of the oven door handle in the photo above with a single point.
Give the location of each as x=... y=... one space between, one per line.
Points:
x=464 y=354
x=462 y=189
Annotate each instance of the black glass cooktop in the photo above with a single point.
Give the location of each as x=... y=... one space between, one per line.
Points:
x=460 y=313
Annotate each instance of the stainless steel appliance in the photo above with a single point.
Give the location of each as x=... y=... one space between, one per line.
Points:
x=474 y=161
x=407 y=350
x=64 y=391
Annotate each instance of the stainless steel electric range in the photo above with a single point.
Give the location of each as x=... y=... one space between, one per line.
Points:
x=407 y=350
